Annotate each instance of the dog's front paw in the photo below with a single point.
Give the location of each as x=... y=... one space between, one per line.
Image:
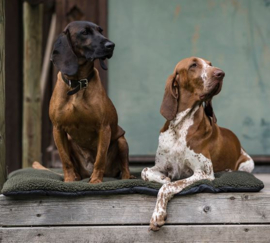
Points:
x=69 y=177
x=128 y=176
x=165 y=179
x=95 y=181
x=96 y=177
x=132 y=177
x=157 y=221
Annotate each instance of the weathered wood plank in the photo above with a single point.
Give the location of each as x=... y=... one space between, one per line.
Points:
x=125 y=234
x=2 y=95
x=32 y=25
x=135 y=209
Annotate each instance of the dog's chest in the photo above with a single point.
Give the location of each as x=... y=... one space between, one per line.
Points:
x=78 y=120
x=172 y=143
x=70 y=113
x=173 y=155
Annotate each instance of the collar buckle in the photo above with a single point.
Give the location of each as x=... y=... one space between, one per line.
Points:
x=83 y=83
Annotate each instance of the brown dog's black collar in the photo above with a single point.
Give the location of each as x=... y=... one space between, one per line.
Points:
x=77 y=84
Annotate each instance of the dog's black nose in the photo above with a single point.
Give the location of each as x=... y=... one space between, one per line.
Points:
x=109 y=45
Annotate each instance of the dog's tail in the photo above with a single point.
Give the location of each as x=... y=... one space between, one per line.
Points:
x=36 y=165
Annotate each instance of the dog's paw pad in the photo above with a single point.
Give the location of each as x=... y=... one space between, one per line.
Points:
x=157 y=221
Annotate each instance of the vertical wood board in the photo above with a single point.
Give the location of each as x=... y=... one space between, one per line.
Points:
x=2 y=95
x=32 y=24
x=14 y=83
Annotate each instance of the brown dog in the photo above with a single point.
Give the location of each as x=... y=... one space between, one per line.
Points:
x=85 y=122
x=191 y=145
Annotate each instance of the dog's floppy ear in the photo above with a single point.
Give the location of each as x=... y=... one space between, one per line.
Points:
x=208 y=108
x=63 y=56
x=169 y=104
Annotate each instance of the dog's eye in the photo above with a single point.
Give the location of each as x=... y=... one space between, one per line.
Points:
x=100 y=29
x=193 y=65
x=85 y=32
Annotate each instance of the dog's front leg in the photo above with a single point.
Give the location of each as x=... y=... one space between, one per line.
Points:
x=154 y=174
x=166 y=192
x=61 y=142
x=104 y=139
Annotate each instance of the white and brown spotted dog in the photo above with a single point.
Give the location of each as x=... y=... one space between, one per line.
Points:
x=191 y=145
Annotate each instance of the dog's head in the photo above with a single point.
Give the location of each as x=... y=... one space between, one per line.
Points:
x=196 y=81
x=80 y=40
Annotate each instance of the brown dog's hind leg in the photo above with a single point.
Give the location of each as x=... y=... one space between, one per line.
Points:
x=123 y=156
x=37 y=166
x=245 y=162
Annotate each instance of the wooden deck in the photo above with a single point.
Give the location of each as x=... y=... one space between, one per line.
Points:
x=205 y=217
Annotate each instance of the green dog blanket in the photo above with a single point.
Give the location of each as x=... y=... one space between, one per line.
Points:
x=41 y=182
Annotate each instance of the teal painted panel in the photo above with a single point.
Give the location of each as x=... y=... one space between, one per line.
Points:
x=151 y=36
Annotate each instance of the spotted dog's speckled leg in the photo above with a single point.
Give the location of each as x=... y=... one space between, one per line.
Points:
x=153 y=174
x=166 y=192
